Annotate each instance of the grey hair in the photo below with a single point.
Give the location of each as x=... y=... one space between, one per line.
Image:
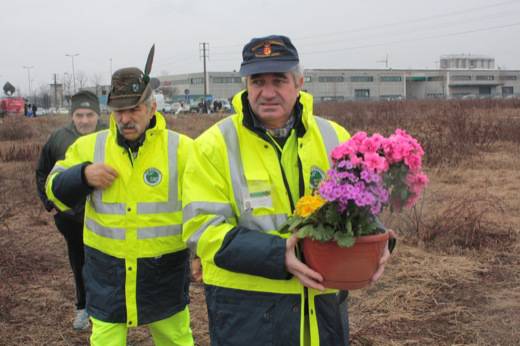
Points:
x=149 y=101
x=296 y=72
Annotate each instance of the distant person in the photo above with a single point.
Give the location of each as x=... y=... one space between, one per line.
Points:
x=25 y=109
x=85 y=119
x=34 y=109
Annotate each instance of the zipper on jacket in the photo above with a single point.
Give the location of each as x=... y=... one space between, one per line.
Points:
x=284 y=177
x=130 y=156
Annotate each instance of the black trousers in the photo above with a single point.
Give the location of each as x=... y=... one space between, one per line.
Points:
x=72 y=231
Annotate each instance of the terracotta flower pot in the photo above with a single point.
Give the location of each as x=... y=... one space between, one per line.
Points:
x=346 y=268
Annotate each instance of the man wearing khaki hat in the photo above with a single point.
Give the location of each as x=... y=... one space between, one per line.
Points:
x=136 y=265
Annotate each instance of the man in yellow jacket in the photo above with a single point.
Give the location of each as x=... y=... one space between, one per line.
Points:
x=241 y=184
x=136 y=264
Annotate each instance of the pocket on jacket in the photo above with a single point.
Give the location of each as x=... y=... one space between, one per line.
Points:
x=104 y=278
x=243 y=320
x=162 y=285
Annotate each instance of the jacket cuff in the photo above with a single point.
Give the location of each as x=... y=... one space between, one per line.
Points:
x=70 y=186
x=254 y=253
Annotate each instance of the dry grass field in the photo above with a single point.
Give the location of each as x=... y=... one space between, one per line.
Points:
x=454 y=278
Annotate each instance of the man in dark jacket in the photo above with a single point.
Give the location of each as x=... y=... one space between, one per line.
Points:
x=85 y=119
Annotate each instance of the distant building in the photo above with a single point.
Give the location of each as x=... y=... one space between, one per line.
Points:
x=363 y=84
x=467 y=61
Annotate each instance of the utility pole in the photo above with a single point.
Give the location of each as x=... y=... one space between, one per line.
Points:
x=28 y=68
x=205 y=54
x=110 y=77
x=55 y=92
x=73 y=75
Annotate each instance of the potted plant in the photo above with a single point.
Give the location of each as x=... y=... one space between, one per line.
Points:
x=343 y=239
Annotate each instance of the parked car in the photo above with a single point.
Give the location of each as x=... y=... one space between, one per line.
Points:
x=167 y=108
x=225 y=105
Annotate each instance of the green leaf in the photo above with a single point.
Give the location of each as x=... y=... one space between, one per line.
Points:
x=306 y=232
x=296 y=223
x=327 y=232
x=349 y=228
x=344 y=239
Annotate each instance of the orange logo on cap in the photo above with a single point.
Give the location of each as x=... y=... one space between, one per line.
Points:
x=264 y=50
x=267 y=48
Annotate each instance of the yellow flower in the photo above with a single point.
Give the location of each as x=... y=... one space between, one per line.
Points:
x=308 y=204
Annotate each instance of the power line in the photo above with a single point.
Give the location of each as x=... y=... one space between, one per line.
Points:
x=235 y=49
x=416 y=39
x=400 y=23
x=412 y=21
x=432 y=27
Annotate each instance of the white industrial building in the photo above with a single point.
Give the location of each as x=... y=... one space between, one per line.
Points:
x=479 y=79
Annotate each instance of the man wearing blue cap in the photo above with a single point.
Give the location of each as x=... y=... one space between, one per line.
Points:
x=240 y=185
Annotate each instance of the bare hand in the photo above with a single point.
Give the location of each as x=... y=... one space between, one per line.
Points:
x=100 y=176
x=196 y=269
x=384 y=258
x=307 y=276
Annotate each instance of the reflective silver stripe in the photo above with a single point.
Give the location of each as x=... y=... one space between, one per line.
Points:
x=173 y=204
x=263 y=222
x=238 y=179
x=239 y=184
x=158 y=231
x=99 y=149
x=197 y=208
x=97 y=195
x=112 y=233
x=328 y=134
x=194 y=239
x=57 y=168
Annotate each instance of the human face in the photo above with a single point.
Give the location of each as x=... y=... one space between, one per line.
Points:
x=133 y=122
x=85 y=120
x=272 y=97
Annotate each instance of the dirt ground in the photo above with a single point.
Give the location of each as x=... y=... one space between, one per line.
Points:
x=443 y=286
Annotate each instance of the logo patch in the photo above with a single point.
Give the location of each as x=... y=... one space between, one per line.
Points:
x=267 y=48
x=85 y=104
x=316 y=177
x=152 y=176
x=135 y=87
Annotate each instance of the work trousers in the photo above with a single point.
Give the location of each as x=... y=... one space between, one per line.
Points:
x=172 y=331
x=72 y=231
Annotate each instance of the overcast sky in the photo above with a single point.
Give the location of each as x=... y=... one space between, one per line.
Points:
x=327 y=34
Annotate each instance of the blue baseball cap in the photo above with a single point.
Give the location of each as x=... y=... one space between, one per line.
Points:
x=270 y=54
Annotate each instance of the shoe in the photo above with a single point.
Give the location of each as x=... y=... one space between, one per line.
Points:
x=81 y=320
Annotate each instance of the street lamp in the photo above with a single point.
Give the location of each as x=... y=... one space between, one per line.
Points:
x=73 y=75
x=28 y=68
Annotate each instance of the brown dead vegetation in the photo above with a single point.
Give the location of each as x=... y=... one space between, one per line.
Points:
x=454 y=278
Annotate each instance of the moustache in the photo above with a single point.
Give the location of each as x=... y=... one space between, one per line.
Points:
x=129 y=126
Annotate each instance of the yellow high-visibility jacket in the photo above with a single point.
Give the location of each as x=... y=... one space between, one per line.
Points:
x=239 y=188
x=136 y=264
